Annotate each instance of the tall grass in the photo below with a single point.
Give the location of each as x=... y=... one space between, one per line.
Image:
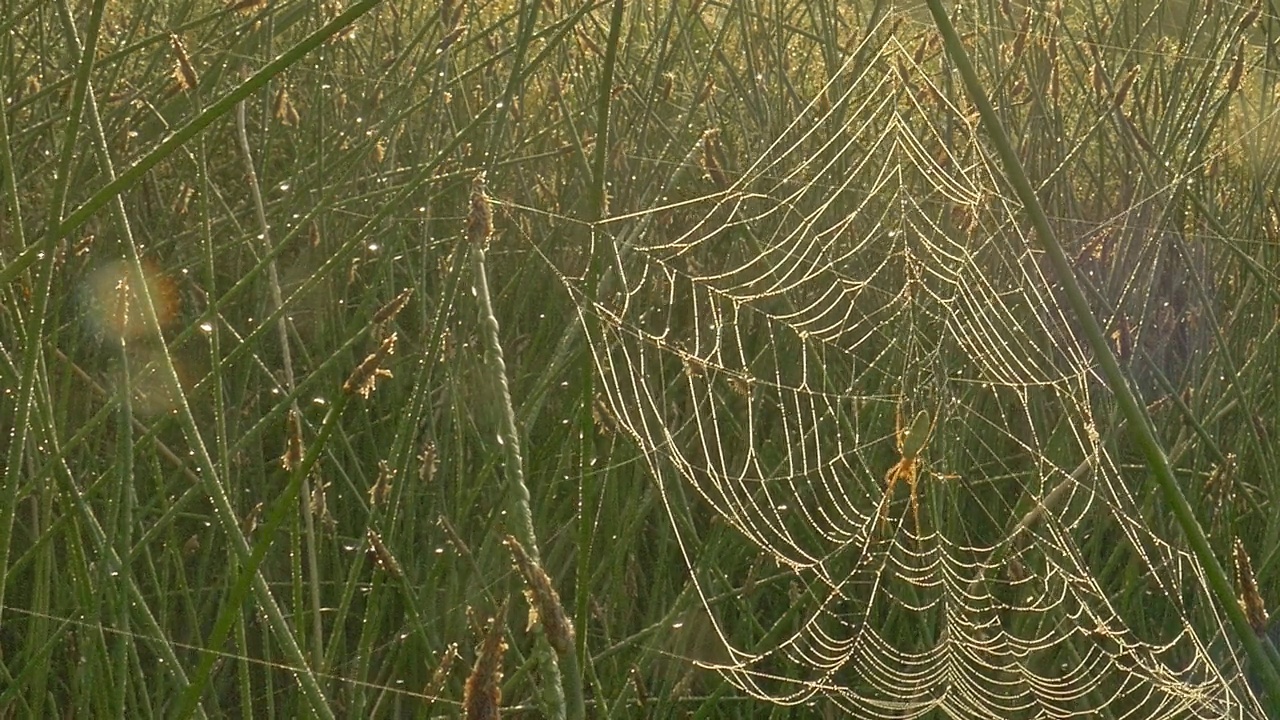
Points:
x=197 y=518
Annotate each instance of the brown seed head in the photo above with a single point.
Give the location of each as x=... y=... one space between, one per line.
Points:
x=184 y=73
x=711 y=158
x=1251 y=17
x=1237 y=69
x=380 y=491
x=1126 y=82
x=708 y=89
x=1255 y=609
x=381 y=555
x=388 y=312
x=544 y=601
x=292 y=457
x=428 y=462
x=482 y=694
x=364 y=377
x=283 y=110
x=480 y=219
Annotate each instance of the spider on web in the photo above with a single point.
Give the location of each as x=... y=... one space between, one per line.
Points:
x=911 y=441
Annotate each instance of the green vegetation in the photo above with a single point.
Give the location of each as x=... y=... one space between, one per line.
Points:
x=334 y=337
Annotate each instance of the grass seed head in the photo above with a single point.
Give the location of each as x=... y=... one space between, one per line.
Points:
x=380 y=491
x=1251 y=17
x=482 y=694
x=365 y=377
x=480 y=219
x=666 y=86
x=544 y=602
x=1125 y=84
x=708 y=89
x=319 y=507
x=283 y=110
x=184 y=73
x=388 y=312
x=428 y=462
x=440 y=675
x=292 y=457
x=1255 y=609
x=450 y=38
x=250 y=521
x=1237 y=70
x=382 y=556
x=711 y=167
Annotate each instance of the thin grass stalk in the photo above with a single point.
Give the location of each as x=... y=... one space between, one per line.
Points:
x=1134 y=412
x=479 y=228
x=41 y=286
x=282 y=330
x=249 y=566
x=213 y=486
x=121 y=524
x=597 y=210
x=10 y=492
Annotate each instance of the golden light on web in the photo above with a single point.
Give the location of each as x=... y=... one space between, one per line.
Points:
x=115 y=299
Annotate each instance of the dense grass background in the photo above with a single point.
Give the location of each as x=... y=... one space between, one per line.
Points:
x=271 y=216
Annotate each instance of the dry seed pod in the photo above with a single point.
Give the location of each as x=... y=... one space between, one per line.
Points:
x=921 y=49
x=428 y=462
x=710 y=158
x=544 y=601
x=365 y=377
x=1125 y=84
x=382 y=556
x=1237 y=69
x=184 y=73
x=380 y=491
x=283 y=110
x=1255 y=609
x=605 y=421
x=480 y=219
x=667 y=85
x=182 y=203
x=708 y=88
x=441 y=674
x=319 y=507
x=388 y=312
x=1251 y=17
x=450 y=38
x=1098 y=78
x=482 y=694
x=250 y=522
x=292 y=457
x=1020 y=40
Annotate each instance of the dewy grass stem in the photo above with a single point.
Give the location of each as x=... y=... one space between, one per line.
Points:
x=479 y=228
x=1138 y=420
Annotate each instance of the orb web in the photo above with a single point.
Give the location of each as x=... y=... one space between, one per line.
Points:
x=762 y=344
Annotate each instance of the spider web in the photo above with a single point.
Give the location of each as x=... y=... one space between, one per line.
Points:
x=760 y=345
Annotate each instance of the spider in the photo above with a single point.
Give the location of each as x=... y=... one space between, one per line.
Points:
x=911 y=441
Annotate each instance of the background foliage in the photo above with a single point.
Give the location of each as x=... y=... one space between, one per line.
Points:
x=270 y=216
